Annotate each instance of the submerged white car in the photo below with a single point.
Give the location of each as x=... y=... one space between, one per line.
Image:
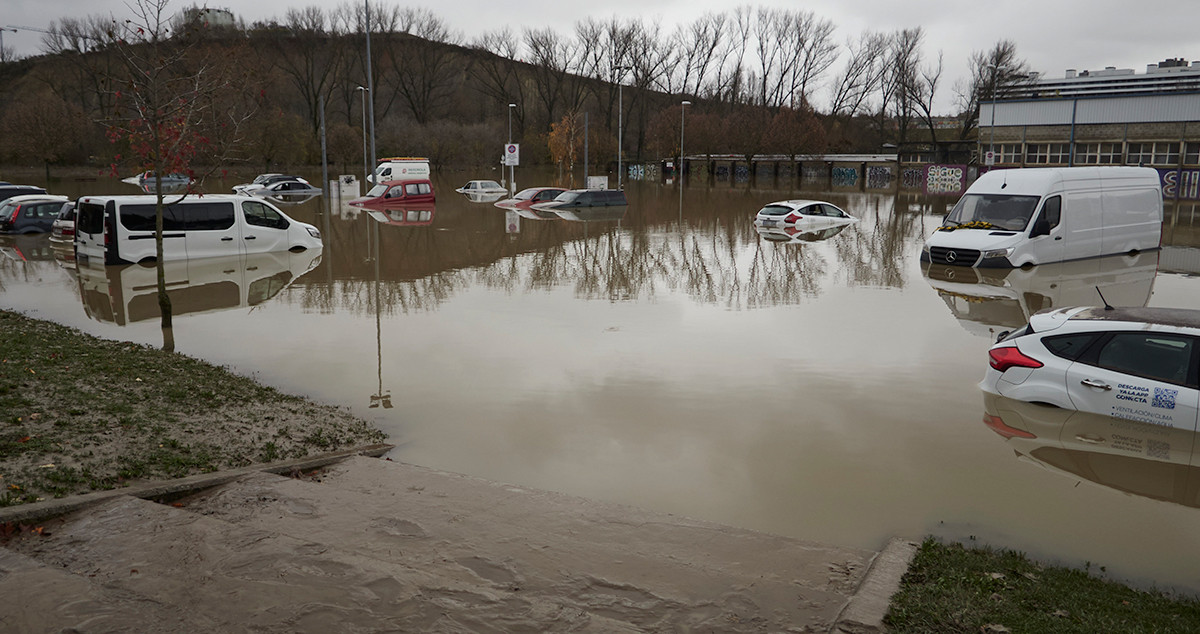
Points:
x=1138 y=364
x=800 y=213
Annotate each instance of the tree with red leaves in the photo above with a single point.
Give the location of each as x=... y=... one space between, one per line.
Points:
x=175 y=102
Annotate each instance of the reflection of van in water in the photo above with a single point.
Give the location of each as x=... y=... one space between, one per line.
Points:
x=120 y=229
x=1010 y=218
x=127 y=294
x=988 y=301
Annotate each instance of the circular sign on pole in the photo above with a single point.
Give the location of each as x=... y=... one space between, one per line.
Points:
x=512 y=154
x=989 y=158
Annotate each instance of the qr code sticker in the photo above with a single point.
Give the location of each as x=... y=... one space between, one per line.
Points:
x=1164 y=398
x=1158 y=449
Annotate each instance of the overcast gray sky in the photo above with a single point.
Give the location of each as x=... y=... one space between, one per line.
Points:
x=1052 y=35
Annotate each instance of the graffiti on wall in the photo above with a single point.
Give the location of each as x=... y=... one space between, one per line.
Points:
x=879 y=176
x=945 y=179
x=1180 y=184
x=912 y=178
x=845 y=176
x=813 y=172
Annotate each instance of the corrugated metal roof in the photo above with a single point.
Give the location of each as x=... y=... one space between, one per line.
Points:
x=1132 y=109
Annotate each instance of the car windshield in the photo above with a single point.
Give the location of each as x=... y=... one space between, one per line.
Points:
x=567 y=197
x=377 y=191
x=987 y=211
x=526 y=194
x=774 y=210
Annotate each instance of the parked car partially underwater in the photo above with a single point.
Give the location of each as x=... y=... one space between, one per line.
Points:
x=8 y=190
x=584 y=198
x=526 y=198
x=1139 y=364
x=801 y=213
x=397 y=194
x=274 y=184
x=31 y=213
x=482 y=187
x=121 y=229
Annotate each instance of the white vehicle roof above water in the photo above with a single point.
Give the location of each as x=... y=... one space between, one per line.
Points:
x=1020 y=217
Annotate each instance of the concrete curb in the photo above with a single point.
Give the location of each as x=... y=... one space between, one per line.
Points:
x=864 y=613
x=53 y=508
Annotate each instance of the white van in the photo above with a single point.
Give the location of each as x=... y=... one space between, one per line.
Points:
x=1019 y=217
x=400 y=168
x=120 y=229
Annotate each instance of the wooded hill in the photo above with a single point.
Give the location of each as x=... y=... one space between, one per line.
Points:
x=751 y=75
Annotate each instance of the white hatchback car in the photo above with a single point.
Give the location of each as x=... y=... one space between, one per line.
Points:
x=1138 y=364
x=801 y=213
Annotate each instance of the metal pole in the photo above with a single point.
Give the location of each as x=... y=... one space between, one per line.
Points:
x=585 y=149
x=370 y=80
x=366 y=161
x=992 y=127
x=620 y=109
x=512 y=185
x=324 y=155
x=682 y=109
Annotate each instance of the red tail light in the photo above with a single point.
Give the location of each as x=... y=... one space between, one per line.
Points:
x=13 y=219
x=1009 y=357
x=996 y=424
x=794 y=218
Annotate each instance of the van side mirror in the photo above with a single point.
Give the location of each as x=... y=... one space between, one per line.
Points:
x=1041 y=227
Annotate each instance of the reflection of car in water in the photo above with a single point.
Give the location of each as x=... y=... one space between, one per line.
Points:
x=26 y=247
x=129 y=293
x=1145 y=459
x=798 y=234
x=403 y=215
x=592 y=214
x=987 y=301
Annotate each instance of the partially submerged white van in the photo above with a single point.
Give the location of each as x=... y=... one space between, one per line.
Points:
x=1020 y=217
x=120 y=229
x=400 y=168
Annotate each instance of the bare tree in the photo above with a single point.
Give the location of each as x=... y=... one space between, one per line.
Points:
x=552 y=57
x=494 y=69
x=861 y=74
x=420 y=60
x=996 y=69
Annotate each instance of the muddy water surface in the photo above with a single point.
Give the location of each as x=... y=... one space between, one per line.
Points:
x=819 y=385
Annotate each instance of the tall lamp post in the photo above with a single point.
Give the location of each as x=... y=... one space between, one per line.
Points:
x=366 y=162
x=682 y=109
x=370 y=79
x=620 y=108
x=995 y=68
x=512 y=186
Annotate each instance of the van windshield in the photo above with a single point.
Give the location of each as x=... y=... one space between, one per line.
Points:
x=992 y=211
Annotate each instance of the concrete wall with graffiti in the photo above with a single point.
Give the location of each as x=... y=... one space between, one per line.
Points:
x=1180 y=184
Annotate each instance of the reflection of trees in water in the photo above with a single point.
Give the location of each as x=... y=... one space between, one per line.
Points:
x=715 y=258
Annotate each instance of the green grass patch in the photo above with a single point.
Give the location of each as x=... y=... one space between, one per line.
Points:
x=79 y=413
x=951 y=588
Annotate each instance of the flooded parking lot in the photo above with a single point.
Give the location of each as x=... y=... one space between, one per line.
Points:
x=672 y=356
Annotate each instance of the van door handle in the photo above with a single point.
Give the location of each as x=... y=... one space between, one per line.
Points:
x=1058 y=237
x=249 y=237
x=1094 y=383
x=226 y=239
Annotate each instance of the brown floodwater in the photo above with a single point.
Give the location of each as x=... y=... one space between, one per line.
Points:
x=671 y=356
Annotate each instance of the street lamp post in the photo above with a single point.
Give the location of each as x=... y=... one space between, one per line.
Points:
x=512 y=186
x=370 y=79
x=682 y=109
x=995 y=68
x=366 y=162
x=620 y=109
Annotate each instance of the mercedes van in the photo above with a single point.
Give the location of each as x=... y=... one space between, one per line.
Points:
x=120 y=229
x=1020 y=217
x=400 y=168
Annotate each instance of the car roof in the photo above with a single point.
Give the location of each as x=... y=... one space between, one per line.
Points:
x=405 y=180
x=30 y=198
x=1180 y=317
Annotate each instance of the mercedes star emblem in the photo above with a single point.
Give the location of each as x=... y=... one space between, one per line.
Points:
x=951 y=256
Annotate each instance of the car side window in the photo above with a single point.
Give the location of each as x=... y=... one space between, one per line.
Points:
x=261 y=215
x=1163 y=357
x=1070 y=346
